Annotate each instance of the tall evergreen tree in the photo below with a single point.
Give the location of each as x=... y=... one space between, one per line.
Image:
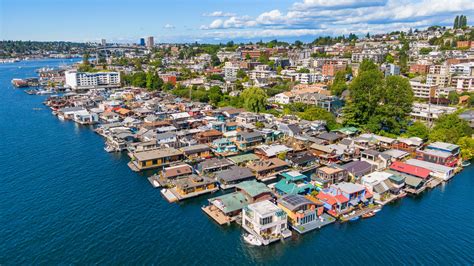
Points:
x=456 y=22
x=463 y=22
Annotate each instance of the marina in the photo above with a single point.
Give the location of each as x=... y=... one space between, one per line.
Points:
x=321 y=231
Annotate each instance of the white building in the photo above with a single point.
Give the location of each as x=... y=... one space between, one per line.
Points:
x=284 y=97
x=85 y=80
x=423 y=90
x=150 y=42
x=307 y=78
x=230 y=71
x=266 y=221
x=462 y=69
x=438 y=79
x=428 y=112
x=437 y=170
x=377 y=57
x=463 y=83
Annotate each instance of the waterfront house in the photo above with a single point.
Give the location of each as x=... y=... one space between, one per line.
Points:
x=414 y=185
x=408 y=144
x=167 y=139
x=328 y=175
x=410 y=170
x=224 y=147
x=290 y=130
x=358 y=169
x=335 y=205
x=213 y=165
x=208 y=136
x=301 y=160
x=303 y=214
x=437 y=156
x=380 y=185
x=110 y=117
x=376 y=158
x=330 y=137
x=199 y=151
x=154 y=158
x=177 y=171
x=326 y=154
x=444 y=147
x=436 y=170
x=396 y=155
x=267 y=169
x=293 y=182
x=192 y=186
x=342 y=197
x=248 y=140
x=226 y=208
x=243 y=159
x=266 y=221
x=142 y=146
x=85 y=117
x=269 y=151
x=235 y=174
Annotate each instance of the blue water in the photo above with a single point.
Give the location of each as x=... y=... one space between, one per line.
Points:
x=65 y=200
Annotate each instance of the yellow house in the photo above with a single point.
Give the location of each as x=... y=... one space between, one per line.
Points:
x=155 y=158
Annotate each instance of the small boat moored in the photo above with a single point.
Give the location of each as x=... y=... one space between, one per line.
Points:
x=368 y=214
x=252 y=240
x=466 y=163
x=353 y=219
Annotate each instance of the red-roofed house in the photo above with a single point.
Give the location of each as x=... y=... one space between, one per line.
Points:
x=410 y=169
x=334 y=205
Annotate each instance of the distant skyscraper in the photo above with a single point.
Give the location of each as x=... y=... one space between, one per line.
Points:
x=103 y=42
x=142 y=41
x=150 y=42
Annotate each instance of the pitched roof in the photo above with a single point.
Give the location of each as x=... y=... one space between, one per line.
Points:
x=410 y=169
x=253 y=188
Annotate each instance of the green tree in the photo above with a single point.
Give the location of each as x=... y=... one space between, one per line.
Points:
x=215 y=60
x=315 y=113
x=367 y=65
x=450 y=128
x=389 y=59
x=339 y=83
x=259 y=124
x=254 y=99
x=241 y=74
x=418 y=129
x=466 y=144
x=456 y=23
x=303 y=70
x=453 y=97
x=379 y=104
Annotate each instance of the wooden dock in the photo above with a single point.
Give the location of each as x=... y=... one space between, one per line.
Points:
x=155 y=183
x=216 y=215
x=170 y=197
x=434 y=183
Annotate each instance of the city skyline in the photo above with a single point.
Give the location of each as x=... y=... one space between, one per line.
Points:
x=218 y=21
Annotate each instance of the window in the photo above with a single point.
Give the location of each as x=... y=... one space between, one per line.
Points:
x=266 y=220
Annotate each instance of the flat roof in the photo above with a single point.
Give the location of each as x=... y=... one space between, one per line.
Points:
x=156 y=154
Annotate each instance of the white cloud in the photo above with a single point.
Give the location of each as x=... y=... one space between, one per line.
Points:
x=219 y=14
x=320 y=17
x=169 y=26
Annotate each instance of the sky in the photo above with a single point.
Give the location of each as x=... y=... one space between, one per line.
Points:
x=218 y=20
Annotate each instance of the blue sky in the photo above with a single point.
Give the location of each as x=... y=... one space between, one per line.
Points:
x=218 y=20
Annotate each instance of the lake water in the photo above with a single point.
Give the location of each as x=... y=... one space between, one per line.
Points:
x=65 y=200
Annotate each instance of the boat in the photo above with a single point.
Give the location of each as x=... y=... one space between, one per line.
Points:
x=466 y=163
x=402 y=194
x=353 y=219
x=252 y=240
x=108 y=148
x=377 y=210
x=368 y=214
